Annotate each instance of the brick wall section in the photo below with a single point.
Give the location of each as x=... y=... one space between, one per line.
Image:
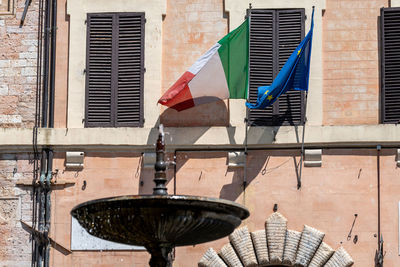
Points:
x=15 y=204
x=350 y=51
x=190 y=28
x=18 y=54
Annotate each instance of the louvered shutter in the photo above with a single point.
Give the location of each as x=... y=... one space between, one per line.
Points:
x=262 y=32
x=130 y=70
x=115 y=67
x=98 y=70
x=290 y=25
x=390 y=65
x=274 y=35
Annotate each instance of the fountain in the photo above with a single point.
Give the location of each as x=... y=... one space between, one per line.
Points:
x=160 y=222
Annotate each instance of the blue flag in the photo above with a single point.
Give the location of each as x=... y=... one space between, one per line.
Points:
x=293 y=75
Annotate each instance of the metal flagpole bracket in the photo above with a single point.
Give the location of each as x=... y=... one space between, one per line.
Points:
x=27 y=4
x=236 y=159
x=398 y=158
x=312 y=157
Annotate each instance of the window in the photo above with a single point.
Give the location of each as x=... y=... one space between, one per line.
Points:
x=390 y=65
x=114 y=69
x=274 y=35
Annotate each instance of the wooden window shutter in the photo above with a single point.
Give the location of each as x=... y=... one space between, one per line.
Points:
x=99 y=70
x=114 y=69
x=274 y=35
x=262 y=49
x=129 y=108
x=390 y=65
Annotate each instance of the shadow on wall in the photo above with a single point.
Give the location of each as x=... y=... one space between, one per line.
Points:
x=210 y=114
x=258 y=162
x=204 y=116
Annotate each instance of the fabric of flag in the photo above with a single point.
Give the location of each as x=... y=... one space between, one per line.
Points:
x=294 y=75
x=221 y=73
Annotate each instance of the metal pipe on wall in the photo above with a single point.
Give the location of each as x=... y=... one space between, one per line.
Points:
x=378 y=170
x=53 y=62
x=48 y=205
x=46 y=63
x=46 y=91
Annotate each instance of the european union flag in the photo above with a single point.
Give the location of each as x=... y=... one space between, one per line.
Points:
x=293 y=75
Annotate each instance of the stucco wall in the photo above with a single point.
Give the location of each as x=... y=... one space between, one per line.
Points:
x=346 y=184
x=177 y=32
x=106 y=174
x=351 y=67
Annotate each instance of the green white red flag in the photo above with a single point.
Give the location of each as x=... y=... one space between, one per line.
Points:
x=221 y=73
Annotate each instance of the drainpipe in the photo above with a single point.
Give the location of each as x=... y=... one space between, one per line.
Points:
x=42 y=204
x=46 y=64
x=48 y=206
x=53 y=61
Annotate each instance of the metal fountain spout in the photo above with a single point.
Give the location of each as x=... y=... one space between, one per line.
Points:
x=160 y=177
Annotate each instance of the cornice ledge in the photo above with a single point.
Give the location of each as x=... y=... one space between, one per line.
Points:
x=141 y=139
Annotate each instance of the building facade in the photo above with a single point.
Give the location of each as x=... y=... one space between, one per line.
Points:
x=80 y=80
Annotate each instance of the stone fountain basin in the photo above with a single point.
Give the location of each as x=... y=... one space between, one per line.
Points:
x=166 y=220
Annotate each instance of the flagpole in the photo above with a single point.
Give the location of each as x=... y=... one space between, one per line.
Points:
x=305 y=107
x=302 y=142
x=246 y=120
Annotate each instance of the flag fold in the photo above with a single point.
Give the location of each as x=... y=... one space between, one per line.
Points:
x=220 y=73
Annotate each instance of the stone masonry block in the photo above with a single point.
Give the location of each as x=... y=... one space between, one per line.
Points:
x=310 y=240
x=211 y=259
x=323 y=253
x=28 y=71
x=10 y=119
x=291 y=244
x=3 y=89
x=27 y=55
x=230 y=257
x=5 y=63
x=241 y=241
x=340 y=259
x=275 y=227
x=260 y=245
x=9 y=209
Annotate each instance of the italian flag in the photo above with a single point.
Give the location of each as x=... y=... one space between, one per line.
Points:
x=221 y=73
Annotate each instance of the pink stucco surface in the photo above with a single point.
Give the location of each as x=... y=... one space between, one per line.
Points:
x=345 y=185
x=350 y=62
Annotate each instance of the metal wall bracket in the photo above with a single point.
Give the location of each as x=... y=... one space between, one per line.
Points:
x=149 y=159
x=236 y=159
x=398 y=158
x=74 y=159
x=313 y=158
